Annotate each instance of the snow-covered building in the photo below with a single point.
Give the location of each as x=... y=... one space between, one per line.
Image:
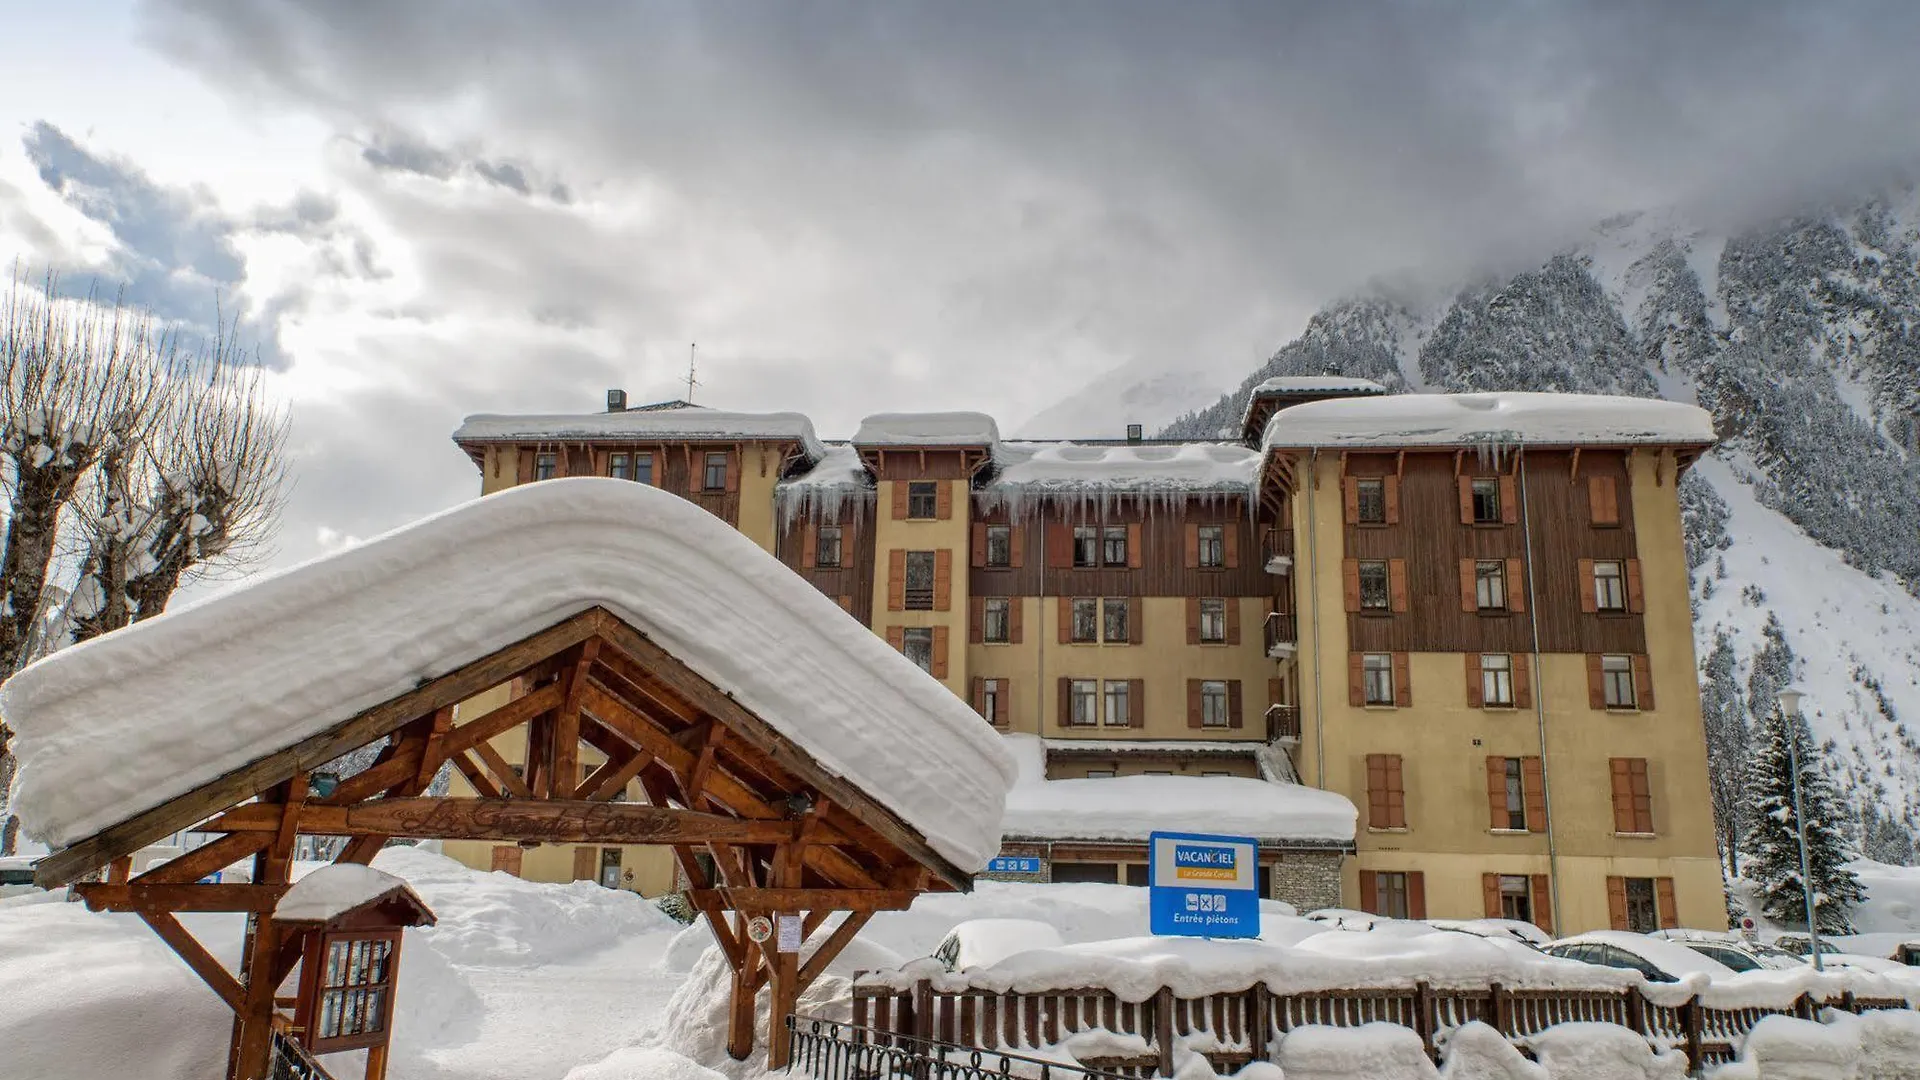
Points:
x=1435 y=608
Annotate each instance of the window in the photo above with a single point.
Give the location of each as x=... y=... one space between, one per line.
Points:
x=1213 y=621
x=1377 y=669
x=1516 y=898
x=1632 y=797
x=1486 y=500
x=1083 y=701
x=1375 y=593
x=1215 y=772
x=990 y=699
x=1516 y=797
x=917 y=643
x=1643 y=914
x=923 y=499
x=356 y=993
x=543 y=465
x=1086 y=620
x=1086 y=546
x=1490 y=584
x=716 y=472
x=643 y=468
x=610 y=867
x=1137 y=874
x=1104 y=872
x=1213 y=546
x=920 y=573
x=617 y=466
x=1616 y=681
x=995 y=620
x=1114 y=611
x=999 y=545
x=826 y=547
x=1213 y=704
x=1113 y=545
x=1156 y=772
x=1496 y=680
x=1390 y=894
x=1609 y=586
x=1117 y=703
x=1371 y=496
x=1097 y=774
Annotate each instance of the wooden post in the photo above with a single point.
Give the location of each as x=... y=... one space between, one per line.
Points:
x=1499 y=1010
x=740 y=1009
x=253 y=1047
x=1691 y=1018
x=923 y=1010
x=1636 y=1010
x=1424 y=1020
x=1258 y=1006
x=1163 y=1029
x=1803 y=1006
x=377 y=1062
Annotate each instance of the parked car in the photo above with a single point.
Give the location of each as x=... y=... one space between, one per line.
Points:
x=1736 y=952
x=986 y=942
x=1500 y=929
x=16 y=876
x=1657 y=959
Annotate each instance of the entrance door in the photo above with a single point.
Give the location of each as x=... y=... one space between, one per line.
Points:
x=507 y=857
x=583 y=863
x=610 y=867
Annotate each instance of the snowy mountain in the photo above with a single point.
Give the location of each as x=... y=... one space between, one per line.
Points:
x=1802 y=336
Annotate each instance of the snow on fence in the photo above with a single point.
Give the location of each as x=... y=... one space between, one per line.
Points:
x=1232 y=1029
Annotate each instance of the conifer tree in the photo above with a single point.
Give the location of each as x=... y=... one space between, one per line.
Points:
x=1772 y=843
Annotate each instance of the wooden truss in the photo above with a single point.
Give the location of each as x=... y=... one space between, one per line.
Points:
x=784 y=835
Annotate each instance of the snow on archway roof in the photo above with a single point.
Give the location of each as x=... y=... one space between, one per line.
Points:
x=1501 y=419
x=1318 y=384
x=116 y=726
x=688 y=423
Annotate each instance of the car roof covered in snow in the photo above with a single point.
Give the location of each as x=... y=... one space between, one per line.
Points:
x=690 y=423
x=116 y=726
x=1496 y=419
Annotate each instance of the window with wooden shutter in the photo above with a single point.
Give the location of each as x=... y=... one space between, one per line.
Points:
x=1516 y=586
x=1397 y=583
x=1235 y=717
x=1402 y=681
x=1522 y=681
x=1617 y=903
x=1636 y=595
x=1533 y=786
x=943 y=500
x=1350 y=583
x=1642 y=683
x=1509 y=501
x=1469 y=585
x=943 y=579
x=1386 y=796
x=977 y=547
x=897 y=579
x=1632 y=798
x=1603 y=504
x=1476 y=698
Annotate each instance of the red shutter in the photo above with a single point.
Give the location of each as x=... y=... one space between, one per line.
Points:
x=1136 y=703
x=1234 y=717
x=1193 y=620
x=1619 y=772
x=1509 y=501
x=1533 y=792
x=1402 y=680
x=1617 y=903
x=1465 y=484
x=979 y=554
x=899 y=500
x=980 y=697
x=897 y=580
x=1522 y=681
x=1642 y=683
x=1542 y=903
x=1135 y=553
x=1642 y=795
x=1396 y=794
x=1230 y=540
x=976 y=619
x=1059 y=546
x=1416 y=889
x=943 y=579
x=1469 y=600
x=1017 y=546
x=1663 y=896
x=733 y=471
x=1603 y=500
x=1378 y=811
x=1350 y=583
x=1015 y=606
x=943 y=500
x=1350 y=500
x=1232 y=604
x=1490 y=894
x=1475 y=698
x=897 y=637
x=1516 y=585
x=1064 y=608
x=1589 y=596
x=939 y=652
x=1636 y=596
x=1497 y=793
x=1356 y=679
x=1369 y=892
x=1596 y=685
x=1397 y=583
x=1194 y=718
x=1136 y=621
x=1065 y=716
x=1392 y=486
x=1003 y=703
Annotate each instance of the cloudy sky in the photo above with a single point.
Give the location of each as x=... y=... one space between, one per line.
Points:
x=451 y=206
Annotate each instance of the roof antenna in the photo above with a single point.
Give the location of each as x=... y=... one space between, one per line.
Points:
x=693 y=350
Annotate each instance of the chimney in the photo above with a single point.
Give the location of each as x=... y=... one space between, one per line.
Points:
x=616 y=401
x=1135 y=433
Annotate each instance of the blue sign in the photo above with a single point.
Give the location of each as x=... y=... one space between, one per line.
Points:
x=1007 y=864
x=1203 y=886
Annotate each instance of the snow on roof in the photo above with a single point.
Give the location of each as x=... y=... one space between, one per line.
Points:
x=334 y=890
x=1131 y=807
x=1502 y=419
x=125 y=722
x=1094 y=473
x=691 y=423
x=1317 y=384
x=823 y=490
x=928 y=429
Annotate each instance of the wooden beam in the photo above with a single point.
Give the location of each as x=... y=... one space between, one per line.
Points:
x=545 y=820
x=611 y=778
x=830 y=948
x=566 y=726
x=433 y=754
x=510 y=782
x=189 y=949
x=205 y=859
x=805 y=899
x=231 y=788
x=1573 y=474
x=481 y=783
x=503 y=719
x=164 y=898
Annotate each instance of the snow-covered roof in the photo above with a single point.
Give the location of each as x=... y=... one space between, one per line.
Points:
x=1498 y=419
x=335 y=889
x=1317 y=384
x=823 y=490
x=928 y=429
x=1096 y=473
x=689 y=423
x=1131 y=807
x=125 y=722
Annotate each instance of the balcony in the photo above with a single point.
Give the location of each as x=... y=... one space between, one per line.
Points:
x=1282 y=638
x=1276 y=546
x=1283 y=723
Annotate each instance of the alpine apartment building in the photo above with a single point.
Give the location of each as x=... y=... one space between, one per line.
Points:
x=1433 y=651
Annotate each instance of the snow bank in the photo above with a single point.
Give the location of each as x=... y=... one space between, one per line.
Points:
x=1788 y=1048
x=928 y=429
x=122 y=723
x=1477 y=1051
x=1603 y=1052
x=683 y=424
x=334 y=889
x=1499 y=419
x=1367 y=1052
x=1131 y=807
x=643 y=1063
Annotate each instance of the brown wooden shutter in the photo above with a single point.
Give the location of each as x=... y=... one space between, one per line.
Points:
x=523 y=474
x=1396 y=794
x=1015 y=606
x=1230 y=541
x=1663 y=899
x=1065 y=715
x=1059 y=546
x=1232 y=604
x=1516 y=586
x=1416 y=891
x=1235 y=719
x=1509 y=500
x=1636 y=595
x=1350 y=582
x=1469 y=599
x=1194 y=717
x=1617 y=903
x=899 y=500
x=1017 y=546
x=1350 y=499
x=1490 y=894
x=1135 y=553
x=1533 y=792
x=943 y=500
x=584 y=859
x=1603 y=500
x=943 y=579
x=1392 y=486
x=1476 y=696
x=979 y=544
x=897 y=579
x=1402 y=680
x=1369 y=892
x=940 y=652
x=1193 y=620
x=1064 y=608
x=1589 y=598
x=1642 y=795
x=1193 y=546
x=976 y=619
x=1356 y=679
x=1465 y=483
x=1378 y=812
x=1622 y=785
x=809 y=545
x=1497 y=793
x=1596 y=687
x=1522 y=681
x=1543 y=903
x=980 y=697
x=1642 y=683
x=897 y=637
x=1136 y=621
x=733 y=471
x=1003 y=703
x=1136 y=703
x=1397 y=583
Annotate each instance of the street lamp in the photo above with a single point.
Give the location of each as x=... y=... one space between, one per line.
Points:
x=1790 y=709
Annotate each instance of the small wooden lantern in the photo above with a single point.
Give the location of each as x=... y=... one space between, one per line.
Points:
x=349 y=926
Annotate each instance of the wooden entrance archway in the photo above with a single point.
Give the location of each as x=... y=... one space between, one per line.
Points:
x=785 y=835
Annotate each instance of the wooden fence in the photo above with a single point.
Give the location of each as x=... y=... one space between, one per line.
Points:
x=1247 y=1025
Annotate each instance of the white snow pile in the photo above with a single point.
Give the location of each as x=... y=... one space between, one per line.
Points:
x=928 y=429
x=643 y=1063
x=1497 y=419
x=1374 y=1051
x=1603 y=1052
x=1477 y=1051
x=689 y=423
x=124 y=722
x=333 y=890
x=1131 y=807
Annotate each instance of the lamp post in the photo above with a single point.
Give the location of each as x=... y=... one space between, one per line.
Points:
x=1790 y=712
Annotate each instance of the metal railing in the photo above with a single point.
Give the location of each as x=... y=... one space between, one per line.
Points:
x=830 y=1050
x=291 y=1061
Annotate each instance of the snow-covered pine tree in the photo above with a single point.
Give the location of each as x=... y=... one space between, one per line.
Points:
x=1725 y=715
x=1772 y=843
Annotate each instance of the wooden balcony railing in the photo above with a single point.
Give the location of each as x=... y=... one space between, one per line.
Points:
x=1282 y=636
x=1283 y=722
x=1276 y=549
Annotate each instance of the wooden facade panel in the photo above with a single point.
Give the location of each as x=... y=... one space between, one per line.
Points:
x=853 y=582
x=1159 y=537
x=923 y=465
